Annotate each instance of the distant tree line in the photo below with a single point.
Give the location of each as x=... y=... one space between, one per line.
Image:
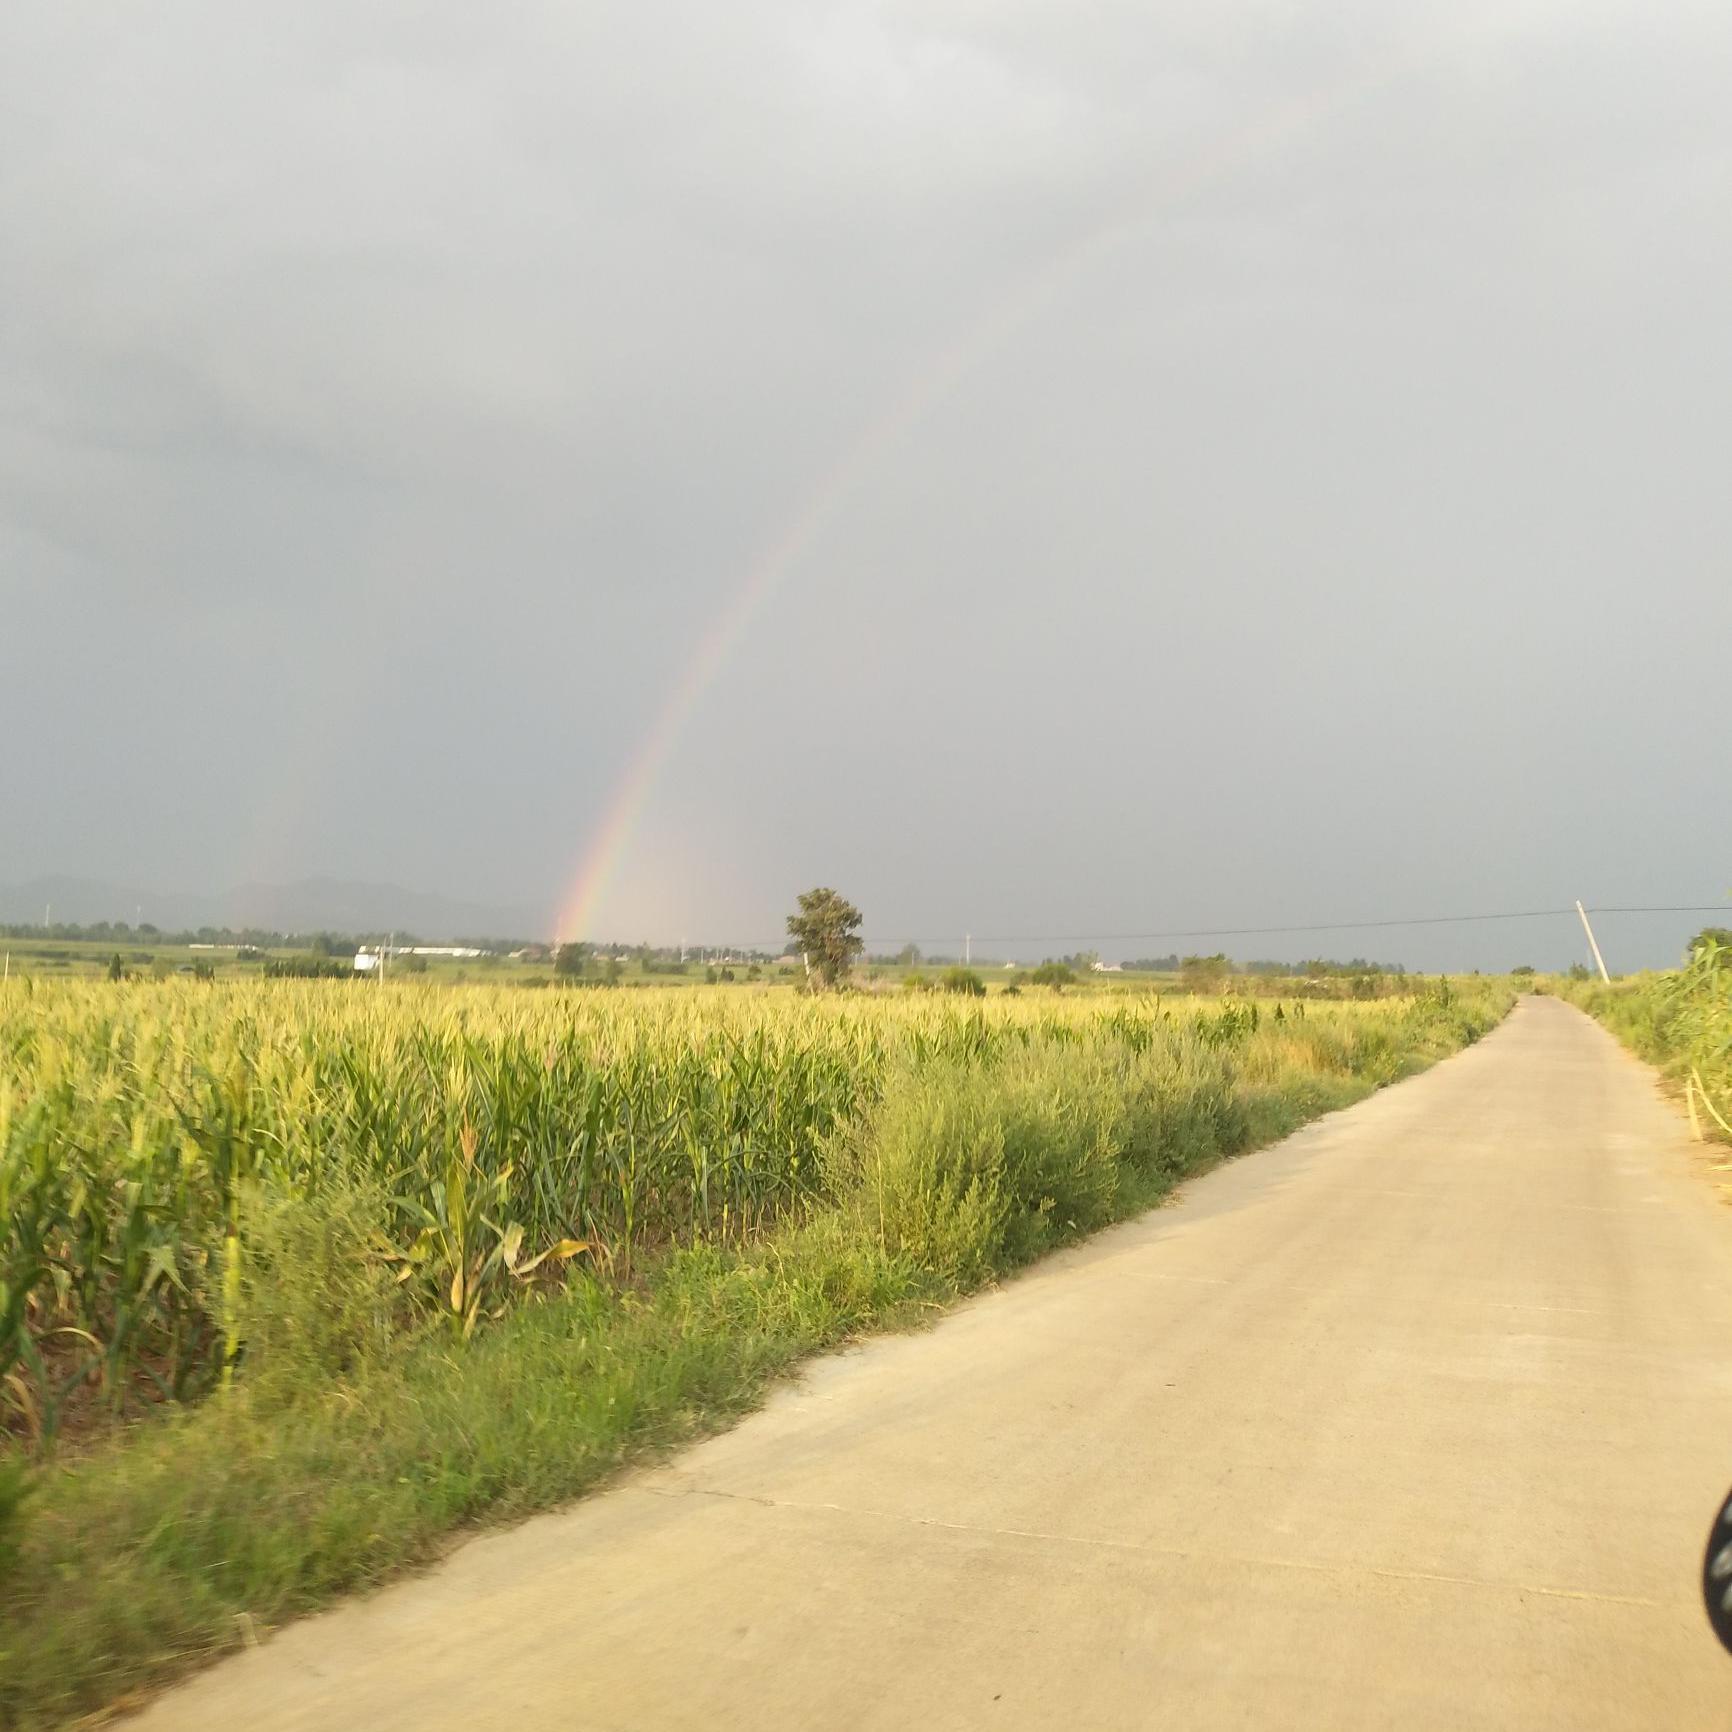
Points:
x=1321 y=968
x=253 y=941
x=309 y=968
x=582 y=964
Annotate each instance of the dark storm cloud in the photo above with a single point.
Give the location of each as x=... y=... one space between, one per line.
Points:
x=1325 y=516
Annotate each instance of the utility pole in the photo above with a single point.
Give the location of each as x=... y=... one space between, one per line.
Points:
x=1593 y=943
x=967 y=948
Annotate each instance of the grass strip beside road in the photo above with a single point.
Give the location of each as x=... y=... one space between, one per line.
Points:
x=1681 y=1021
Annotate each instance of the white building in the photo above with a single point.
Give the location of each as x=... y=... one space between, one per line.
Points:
x=366 y=961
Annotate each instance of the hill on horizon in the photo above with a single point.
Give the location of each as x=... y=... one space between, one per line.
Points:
x=305 y=905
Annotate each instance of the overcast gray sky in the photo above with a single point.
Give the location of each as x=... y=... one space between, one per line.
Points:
x=1250 y=463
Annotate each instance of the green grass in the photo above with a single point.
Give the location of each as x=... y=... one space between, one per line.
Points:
x=1680 y=1020
x=155 y=1551
x=358 y=1439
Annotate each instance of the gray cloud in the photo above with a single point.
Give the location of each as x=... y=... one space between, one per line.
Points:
x=1310 y=504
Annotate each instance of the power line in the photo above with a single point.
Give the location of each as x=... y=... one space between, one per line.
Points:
x=1271 y=931
x=1291 y=931
x=1716 y=908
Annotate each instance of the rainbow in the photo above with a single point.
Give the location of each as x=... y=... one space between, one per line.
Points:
x=632 y=793
x=920 y=392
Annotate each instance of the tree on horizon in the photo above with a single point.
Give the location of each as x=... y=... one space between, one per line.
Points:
x=826 y=928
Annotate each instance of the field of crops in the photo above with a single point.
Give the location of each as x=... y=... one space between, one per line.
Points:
x=495 y=1138
x=363 y=1265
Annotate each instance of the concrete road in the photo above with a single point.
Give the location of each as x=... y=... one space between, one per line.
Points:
x=1417 y=1420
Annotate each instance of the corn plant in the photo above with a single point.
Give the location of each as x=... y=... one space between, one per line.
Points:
x=511 y=1134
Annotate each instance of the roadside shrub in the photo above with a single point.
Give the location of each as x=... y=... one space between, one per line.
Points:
x=927 y=1166
x=1181 y=1110
x=1063 y=1113
x=968 y=1168
x=963 y=981
x=1681 y=1021
x=318 y=1301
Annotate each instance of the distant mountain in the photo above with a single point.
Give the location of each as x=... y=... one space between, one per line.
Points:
x=309 y=905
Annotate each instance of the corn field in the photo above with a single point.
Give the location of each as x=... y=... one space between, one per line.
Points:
x=499 y=1136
